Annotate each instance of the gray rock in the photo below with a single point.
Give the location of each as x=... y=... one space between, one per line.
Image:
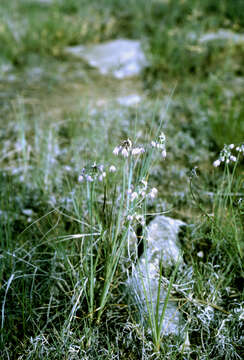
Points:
x=143 y=283
x=121 y=58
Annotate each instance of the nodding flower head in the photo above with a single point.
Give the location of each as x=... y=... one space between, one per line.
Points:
x=116 y=150
x=112 y=169
x=125 y=149
x=226 y=155
x=138 y=151
x=164 y=154
x=160 y=144
x=124 y=152
x=153 y=193
x=92 y=172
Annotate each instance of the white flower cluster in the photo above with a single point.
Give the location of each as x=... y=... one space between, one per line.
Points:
x=226 y=155
x=126 y=148
x=137 y=217
x=142 y=192
x=92 y=173
x=160 y=144
x=240 y=149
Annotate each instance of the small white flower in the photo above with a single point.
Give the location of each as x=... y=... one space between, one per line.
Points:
x=135 y=151
x=112 y=169
x=81 y=178
x=89 y=178
x=116 y=150
x=231 y=146
x=164 y=154
x=233 y=158
x=144 y=182
x=153 y=143
x=129 y=191
x=130 y=217
x=143 y=193
x=238 y=148
x=138 y=151
x=200 y=254
x=216 y=163
x=124 y=152
x=153 y=193
x=134 y=196
x=101 y=176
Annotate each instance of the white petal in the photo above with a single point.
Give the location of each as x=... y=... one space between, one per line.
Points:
x=112 y=168
x=116 y=150
x=216 y=163
x=164 y=154
x=125 y=153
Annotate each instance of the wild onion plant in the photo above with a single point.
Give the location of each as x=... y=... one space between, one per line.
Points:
x=112 y=218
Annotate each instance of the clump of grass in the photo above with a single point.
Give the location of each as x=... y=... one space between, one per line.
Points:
x=216 y=277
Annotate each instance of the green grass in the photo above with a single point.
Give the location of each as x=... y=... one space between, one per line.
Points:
x=64 y=244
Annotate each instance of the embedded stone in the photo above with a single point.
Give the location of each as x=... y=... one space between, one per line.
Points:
x=121 y=58
x=162 y=248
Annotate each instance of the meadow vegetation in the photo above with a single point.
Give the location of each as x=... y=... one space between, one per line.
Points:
x=73 y=187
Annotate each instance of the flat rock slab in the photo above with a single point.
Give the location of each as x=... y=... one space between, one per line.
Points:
x=121 y=58
x=143 y=283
